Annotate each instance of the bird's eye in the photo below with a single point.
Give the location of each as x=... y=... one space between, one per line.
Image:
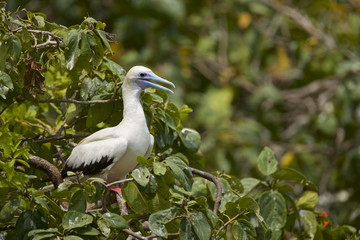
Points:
x=142 y=74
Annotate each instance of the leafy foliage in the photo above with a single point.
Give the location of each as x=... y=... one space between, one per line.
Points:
x=58 y=85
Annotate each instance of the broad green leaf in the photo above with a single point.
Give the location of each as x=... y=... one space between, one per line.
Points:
x=72 y=51
x=212 y=217
x=87 y=231
x=180 y=171
x=74 y=219
x=42 y=233
x=290 y=174
x=13 y=45
x=235 y=183
x=308 y=219
x=72 y=237
x=186 y=232
x=308 y=200
x=249 y=184
x=273 y=209
x=29 y=220
x=159 y=168
x=115 y=68
x=6 y=80
x=9 y=209
x=243 y=230
x=104 y=40
x=158 y=220
x=250 y=204
x=266 y=162
x=141 y=176
x=115 y=220
x=135 y=198
x=104 y=227
x=190 y=138
x=78 y=201
x=42 y=202
x=201 y=225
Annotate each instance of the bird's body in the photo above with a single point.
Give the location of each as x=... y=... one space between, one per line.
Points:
x=111 y=153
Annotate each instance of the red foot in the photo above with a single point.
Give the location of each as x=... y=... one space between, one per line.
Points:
x=116 y=189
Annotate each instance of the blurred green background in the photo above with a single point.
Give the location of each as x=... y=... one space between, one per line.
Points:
x=283 y=74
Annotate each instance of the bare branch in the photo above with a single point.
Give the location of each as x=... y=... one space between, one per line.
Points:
x=47 y=167
x=225 y=225
x=303 y=21
x=78 y=101
x=119 y=182
x=57 y=138
x=216 y=181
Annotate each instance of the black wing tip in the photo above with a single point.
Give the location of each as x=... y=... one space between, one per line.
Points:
x=89 y=169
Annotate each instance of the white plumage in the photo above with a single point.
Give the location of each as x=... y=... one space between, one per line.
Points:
x=112 y=152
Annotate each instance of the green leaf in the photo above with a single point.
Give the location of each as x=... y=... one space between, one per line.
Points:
x=74 y=219
x=250 y=204
x=141 y=176
x=98 y=113
x=78 y=201
x=308 y=200
x=159 y=168
x=104 y=227
x=290 y=174
x=104 y=40
x=87 y=231
x=13 y=45
x=180 y=171
x=201 y=225
x=115 y=68
x=249 y=184
x=186 y=232
x=135 y=198
x=191 y=139
x=266 y=162
x=158 y=220
x=42 y=233
x=29 y=220
x=273 y=209
x=243 y=230
x=308 y=219
x=115 y=220
x=72 y=237
x=9 y=209
x=72 y=51
x=6 y=80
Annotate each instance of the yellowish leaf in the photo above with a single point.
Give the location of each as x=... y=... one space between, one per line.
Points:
x=244 y=20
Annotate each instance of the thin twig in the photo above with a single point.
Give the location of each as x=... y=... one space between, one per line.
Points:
x=78 y=101
x=216 y=181
x=120 y=182
x=57 y=138
x=225 y=225
x=303 y=21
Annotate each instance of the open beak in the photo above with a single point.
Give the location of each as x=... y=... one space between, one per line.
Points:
x=152 y=80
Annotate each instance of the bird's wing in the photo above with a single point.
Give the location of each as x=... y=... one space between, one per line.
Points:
x=95 y=156
x=100 y=135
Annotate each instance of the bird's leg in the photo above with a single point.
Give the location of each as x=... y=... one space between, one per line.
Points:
x=119 y=198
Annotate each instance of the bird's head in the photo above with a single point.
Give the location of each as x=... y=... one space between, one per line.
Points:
x=144 y=78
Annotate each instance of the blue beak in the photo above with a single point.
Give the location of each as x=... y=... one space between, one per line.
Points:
x=152 y=80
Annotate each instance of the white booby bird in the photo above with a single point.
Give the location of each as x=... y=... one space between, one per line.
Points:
x=111 y=153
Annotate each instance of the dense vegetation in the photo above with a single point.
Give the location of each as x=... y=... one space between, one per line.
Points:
x=255 y=73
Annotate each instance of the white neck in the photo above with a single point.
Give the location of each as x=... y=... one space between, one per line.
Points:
x=133 y=110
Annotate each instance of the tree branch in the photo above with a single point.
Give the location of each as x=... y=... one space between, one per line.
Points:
x=57 y=138
x=216 y=181
x=303 y=21
x=47 y=167
x=78 y=101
